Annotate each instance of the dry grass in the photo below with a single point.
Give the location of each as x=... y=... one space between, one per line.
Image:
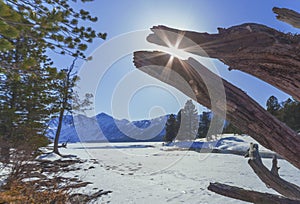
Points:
x=21 y=192
x=43 y=190
x=49 y=185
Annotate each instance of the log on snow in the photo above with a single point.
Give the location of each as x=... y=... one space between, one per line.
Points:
x=272 y=178
x=248 y=195
x=258 y=50
x=242 y=111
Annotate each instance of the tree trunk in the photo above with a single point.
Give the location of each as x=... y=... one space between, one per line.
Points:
x=65 y=96
x=248 y=195
x=58 y=130
x=258 y=50
x=4 y=151
x=283 y=187
x=242 y=110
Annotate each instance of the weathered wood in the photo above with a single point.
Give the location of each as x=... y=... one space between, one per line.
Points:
x=258 y=50
x=288 y=16
x=275 y=168
x=271 y=178
x=83 y=198
x=253 y=152
x=248 y=195
x=242 y=111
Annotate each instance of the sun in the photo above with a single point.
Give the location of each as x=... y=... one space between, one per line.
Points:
x=173 y=48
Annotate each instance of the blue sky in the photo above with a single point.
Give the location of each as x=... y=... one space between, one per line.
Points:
x=120 y=17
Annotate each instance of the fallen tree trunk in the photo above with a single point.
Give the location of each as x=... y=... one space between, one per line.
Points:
x=248 y=195
x=288 y=16
x=272 y=178
x=280 y=185
x=242 y=111
x=258 y=50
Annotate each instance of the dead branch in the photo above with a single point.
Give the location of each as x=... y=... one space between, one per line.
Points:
x=248 y=195
x=82 y=198
x=258 y=50
x=288 y=16
x=242 y=111
x=275 y=168
x=271 y=178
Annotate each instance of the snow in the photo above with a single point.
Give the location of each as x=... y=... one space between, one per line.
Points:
x=239 y=143
x=4 y=171
x=49 y=157
x=148 y=172
x=30 y=179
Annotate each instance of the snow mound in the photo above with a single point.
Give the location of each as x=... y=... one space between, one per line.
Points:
x=230 y=142
x=49 y=157
x=55 y=157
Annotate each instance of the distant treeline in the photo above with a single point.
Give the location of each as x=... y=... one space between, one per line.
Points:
x=187 y=125
x=287 y=111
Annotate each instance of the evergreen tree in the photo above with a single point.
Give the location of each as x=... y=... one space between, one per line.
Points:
x=273 y=105
x=290 y=114
x=67 y=100
x=204 y=124
x=27 y=81
x=178 y=120
x=288 y=111
x=52 y=24
x=171 y=129
x=188 y=122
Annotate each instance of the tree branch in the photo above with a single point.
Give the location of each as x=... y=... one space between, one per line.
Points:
x=248 y=195
x=275 y=168
x=258 y=50
x=288 y=16
x=242 y=111
x=271 y=178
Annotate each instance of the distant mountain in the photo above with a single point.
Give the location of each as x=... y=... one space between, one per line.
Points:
x=103 y=127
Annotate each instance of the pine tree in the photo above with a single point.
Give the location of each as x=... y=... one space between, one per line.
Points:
x=53 y=24
x=28 y=29
x=171 y=129
x=204 y=124
x=67 y=100
x=7 y=31
x=290 y=114
x=178 y=120
x=188 y=122
x=273 y=105
x=288 y=111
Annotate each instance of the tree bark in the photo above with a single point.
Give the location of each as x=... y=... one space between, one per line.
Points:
x=242 y=111
x=66 y=94
x=288 y=16
x=271 y=178
x=58 y=130
x=275 y=168
x=248 y=195
x=258 y=50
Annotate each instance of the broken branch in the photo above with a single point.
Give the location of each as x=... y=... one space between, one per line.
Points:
x=248 y=195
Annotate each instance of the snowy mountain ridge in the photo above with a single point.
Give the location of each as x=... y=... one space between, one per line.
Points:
x=104 y=127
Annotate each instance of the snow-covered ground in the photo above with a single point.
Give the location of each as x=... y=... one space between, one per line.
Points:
x=149 y=173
